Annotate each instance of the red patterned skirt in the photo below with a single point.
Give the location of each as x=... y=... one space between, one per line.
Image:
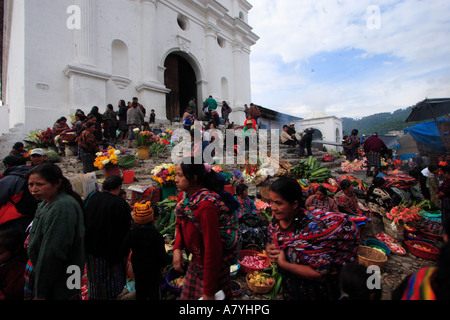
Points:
x=193 y=283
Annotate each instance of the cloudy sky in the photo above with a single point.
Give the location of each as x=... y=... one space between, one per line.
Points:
x=349 y=58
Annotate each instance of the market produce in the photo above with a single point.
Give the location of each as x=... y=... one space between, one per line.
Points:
x=165 y=222
x=178 y=282
x=260 y=279
x=311 y=170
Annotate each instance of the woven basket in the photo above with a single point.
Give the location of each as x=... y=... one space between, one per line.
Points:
x=368 y=256
x=258 y=289
x=421 y=253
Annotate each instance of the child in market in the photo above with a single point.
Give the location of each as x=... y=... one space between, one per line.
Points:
x=12 y=265
x=148 y=256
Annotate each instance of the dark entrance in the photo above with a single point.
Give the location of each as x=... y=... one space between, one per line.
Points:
x=180 y=78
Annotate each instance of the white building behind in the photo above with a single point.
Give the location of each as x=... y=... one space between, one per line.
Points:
x=61 y=55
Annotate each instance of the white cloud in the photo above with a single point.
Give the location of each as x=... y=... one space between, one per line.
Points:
x=416 y=34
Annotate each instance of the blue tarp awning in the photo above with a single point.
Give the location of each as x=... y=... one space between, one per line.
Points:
x=428 y=134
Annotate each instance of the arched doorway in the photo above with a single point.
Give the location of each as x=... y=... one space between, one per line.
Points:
x=318 y=136
x=180 y=78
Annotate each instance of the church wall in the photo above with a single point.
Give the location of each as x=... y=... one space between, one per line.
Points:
x=53 y=70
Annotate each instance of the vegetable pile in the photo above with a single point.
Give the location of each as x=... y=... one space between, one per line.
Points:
x=311 y=170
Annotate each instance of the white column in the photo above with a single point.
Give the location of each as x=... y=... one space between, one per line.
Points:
x=238 y=75
x=149 y=34
x=85 y=38
x=211 y=49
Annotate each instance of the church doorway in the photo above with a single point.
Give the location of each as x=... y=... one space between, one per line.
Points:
x=180 y=78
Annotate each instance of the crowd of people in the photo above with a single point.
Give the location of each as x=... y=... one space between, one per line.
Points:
x=313 y=241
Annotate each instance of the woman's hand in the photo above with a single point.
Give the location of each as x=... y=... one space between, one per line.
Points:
x=272 y=252
x=178 y=262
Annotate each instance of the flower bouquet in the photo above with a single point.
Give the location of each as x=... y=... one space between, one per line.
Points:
x=145 y=138
x=402 y=213
x=264 y=208
x=164 y=175
x=41 y=139
x=253 y=174
x=107 y=159
x=158 y=147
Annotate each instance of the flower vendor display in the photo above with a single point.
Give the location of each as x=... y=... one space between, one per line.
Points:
x=253 y=174
x=164 y=175
x=107 y=159
x=41 y=139
x=145 y=138
x=395 y=219
x=402 y=213
x=158 y=147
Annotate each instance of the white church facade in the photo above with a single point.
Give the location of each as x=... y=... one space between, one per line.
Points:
x=64 y=55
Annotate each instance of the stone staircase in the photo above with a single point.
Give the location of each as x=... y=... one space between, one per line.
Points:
x=71 y=167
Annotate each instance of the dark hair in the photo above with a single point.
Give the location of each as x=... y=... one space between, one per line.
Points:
x=89 y=124
x=112 y=183
x=378 y=182
x=11 y=239
x=81 y=116
x=345 y=184
x=61 y=119
x=433 y=168
x=18 y=145
x=122 y=103
x=110 y=107
x=355 y=132
x=94 y=110
x=53 y=174
x=13 y=160
x=240 y=188
x=205 y=179
x=322 y=189
x=353 y=280
x=289 y=189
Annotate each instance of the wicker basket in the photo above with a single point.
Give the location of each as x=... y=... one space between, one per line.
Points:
x=368 y=256
x=258 y=289
x=434 y=255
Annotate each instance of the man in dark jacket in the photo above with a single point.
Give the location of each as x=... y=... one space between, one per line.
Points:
x=306 y=142
x=375 y=149
x=12 y=210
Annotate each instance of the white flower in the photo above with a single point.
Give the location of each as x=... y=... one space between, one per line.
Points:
x=99 y=154
x=117 y=152
x=105 y=162
x=136 y=130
